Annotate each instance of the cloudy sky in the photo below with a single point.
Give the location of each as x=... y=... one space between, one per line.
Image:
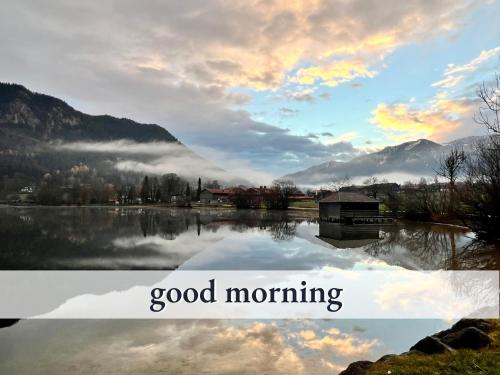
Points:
x=274 y=86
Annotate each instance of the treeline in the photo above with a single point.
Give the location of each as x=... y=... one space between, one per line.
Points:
x=276 y=197
x=169 y=188
x=471 y=193
x=82 y=185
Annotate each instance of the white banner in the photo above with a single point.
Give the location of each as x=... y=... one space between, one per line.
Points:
x=321 y=294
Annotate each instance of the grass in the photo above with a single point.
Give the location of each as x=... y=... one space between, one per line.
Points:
x=481 y=362
x=305 y=204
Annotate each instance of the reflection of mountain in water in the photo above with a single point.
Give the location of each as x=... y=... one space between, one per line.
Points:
x=348 y=236
x=122 y=238
x=161 y=238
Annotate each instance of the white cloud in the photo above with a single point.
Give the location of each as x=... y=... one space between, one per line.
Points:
x=176 y=64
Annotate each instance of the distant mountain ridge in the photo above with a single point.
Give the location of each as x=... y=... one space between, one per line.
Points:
x=29 y=116
x=418 y=158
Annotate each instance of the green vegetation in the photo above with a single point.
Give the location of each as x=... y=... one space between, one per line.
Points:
x=485 y=361
x=304 y=204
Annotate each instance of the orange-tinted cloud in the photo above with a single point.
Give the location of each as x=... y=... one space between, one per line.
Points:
x=263 y=45
x=333 y=74
x=446 y=116
x=438 y=122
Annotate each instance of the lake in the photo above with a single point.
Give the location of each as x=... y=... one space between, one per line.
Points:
x=127 y=238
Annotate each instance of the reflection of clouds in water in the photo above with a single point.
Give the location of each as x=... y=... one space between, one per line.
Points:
x=180 y=347
x=255 y=249
x=201 y=346
x=162 y=238
x=167 y=253
x=344 y=344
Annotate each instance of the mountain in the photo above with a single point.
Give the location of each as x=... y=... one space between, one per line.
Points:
x=26 y=116
x=41 y=134
x=398 y=163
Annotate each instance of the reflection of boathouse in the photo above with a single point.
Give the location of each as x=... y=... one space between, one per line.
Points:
x=348 y=236
x=351 y=208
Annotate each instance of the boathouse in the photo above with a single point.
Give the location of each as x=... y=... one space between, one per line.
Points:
x=347 y=207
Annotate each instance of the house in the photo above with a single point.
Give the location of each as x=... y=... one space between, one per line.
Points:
x=348 y=207
x=208 y=196
x=300 y=197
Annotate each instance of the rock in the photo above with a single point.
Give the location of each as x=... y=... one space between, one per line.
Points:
x=481 y=324
x=357 y=368
x=467 y=338
x=386 y=357
x=431 y=345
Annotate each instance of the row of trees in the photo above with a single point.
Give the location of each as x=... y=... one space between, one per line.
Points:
x=277 y=197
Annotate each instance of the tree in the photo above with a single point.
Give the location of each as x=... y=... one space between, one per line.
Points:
x=372 y=184
x=145 y=190
x=482 y=190
x=171 y=184
x=155 y=192
x=488 y=113
x=131 y=194
x=339 y=182
x=198 y=191
x=483 y=169
x=188 y=190
x=419 y=201
x=279 y=195
x=450 y=168
x=212 y=185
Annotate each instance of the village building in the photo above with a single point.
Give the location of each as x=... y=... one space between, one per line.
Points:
x=351 y=208
x=212 y=196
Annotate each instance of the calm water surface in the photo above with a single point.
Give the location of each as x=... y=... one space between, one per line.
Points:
x=158 y=238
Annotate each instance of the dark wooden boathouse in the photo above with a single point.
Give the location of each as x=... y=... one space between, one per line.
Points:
x=349 y=208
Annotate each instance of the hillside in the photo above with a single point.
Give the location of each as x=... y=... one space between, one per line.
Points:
x=26 y=116
x=41 y=134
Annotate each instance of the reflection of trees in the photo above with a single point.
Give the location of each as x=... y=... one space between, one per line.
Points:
x=475 y=286
x=77 y=238
x=283 y=230
x=435 y=247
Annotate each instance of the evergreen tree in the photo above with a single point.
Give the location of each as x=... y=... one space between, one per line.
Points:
x=198 y=192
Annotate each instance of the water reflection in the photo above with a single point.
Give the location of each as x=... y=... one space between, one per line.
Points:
x=135 y=238
x=348 y=236
x=181 y=347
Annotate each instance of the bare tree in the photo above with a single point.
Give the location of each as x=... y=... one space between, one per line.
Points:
x=483 y=169
x=339 y=182
x=279 y=195
x=488 y=113
x=372 y=184
x=483 y=190
x=451 y=167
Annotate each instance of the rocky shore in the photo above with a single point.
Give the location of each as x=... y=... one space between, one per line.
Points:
x=465 y=334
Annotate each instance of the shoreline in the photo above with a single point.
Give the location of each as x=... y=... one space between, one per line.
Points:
x=306 y=210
